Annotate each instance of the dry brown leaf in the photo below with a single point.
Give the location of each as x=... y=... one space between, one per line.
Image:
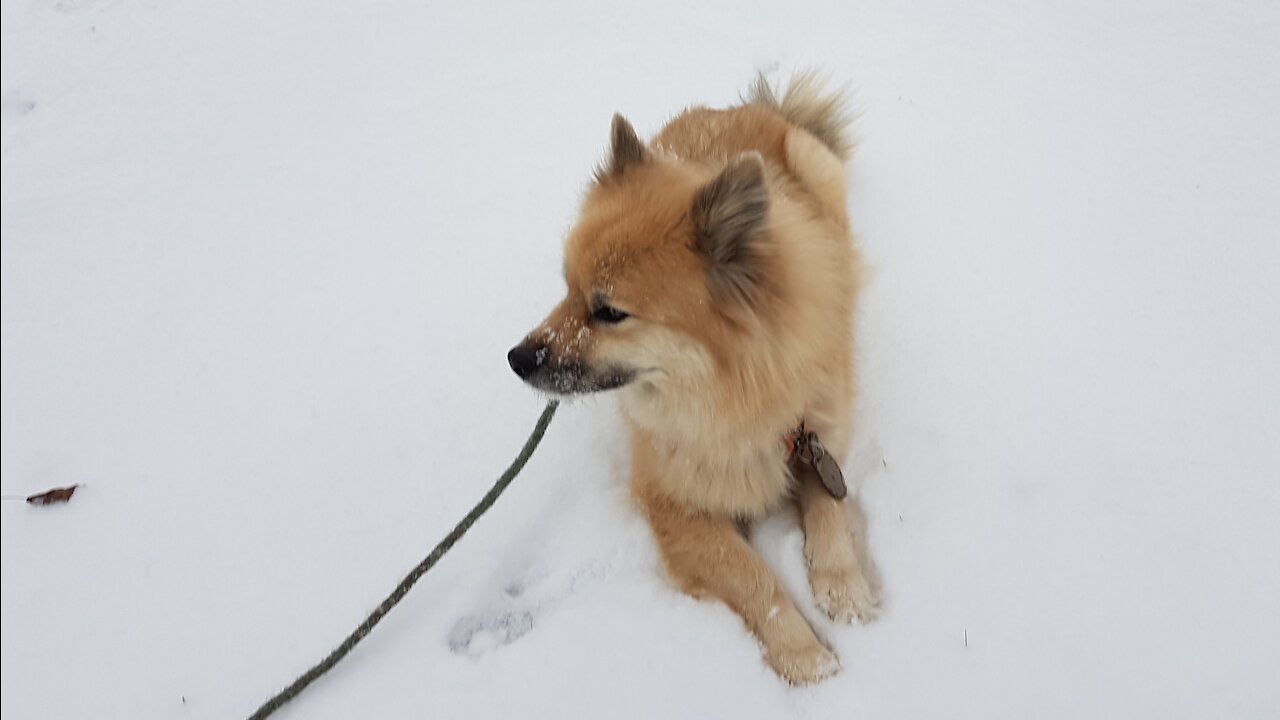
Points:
x=56 y=495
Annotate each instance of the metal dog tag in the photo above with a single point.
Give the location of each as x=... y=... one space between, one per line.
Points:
x=828 y=470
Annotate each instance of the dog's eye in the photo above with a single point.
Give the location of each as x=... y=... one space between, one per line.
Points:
x=610 y=315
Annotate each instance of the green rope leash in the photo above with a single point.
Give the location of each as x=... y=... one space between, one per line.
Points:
x=297 y=686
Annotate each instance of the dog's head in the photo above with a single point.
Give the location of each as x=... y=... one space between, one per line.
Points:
x=667 y=264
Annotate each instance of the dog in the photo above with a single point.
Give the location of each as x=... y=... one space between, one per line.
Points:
x=712 y=284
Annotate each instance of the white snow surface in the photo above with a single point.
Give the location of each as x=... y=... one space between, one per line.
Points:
x=262 y=263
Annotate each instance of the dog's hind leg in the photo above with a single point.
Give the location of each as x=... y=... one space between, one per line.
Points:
x=843 y=579
x=707 y=557
x=821 y=172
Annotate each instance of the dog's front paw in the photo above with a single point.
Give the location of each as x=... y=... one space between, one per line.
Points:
x=845 y=594
x=803 y=665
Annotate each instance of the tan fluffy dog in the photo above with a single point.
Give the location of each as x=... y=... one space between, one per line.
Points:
x=711 y=281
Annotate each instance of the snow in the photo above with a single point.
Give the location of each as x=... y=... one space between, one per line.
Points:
x=262 y=263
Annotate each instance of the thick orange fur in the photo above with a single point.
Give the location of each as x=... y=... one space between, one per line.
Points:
x=725 y=245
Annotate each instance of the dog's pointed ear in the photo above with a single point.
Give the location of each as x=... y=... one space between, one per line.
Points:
x=625 y=149
x=729 y=222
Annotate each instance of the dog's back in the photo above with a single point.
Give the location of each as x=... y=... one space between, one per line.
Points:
x=766 y=123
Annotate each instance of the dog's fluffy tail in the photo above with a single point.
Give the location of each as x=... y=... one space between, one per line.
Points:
x=806 y=103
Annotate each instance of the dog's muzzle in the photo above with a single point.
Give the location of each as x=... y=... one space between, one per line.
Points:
x=533 y=363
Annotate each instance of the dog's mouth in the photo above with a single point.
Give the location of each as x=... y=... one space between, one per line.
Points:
x=578 y=379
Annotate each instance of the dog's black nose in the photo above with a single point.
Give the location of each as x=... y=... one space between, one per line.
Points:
x=525 y=359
